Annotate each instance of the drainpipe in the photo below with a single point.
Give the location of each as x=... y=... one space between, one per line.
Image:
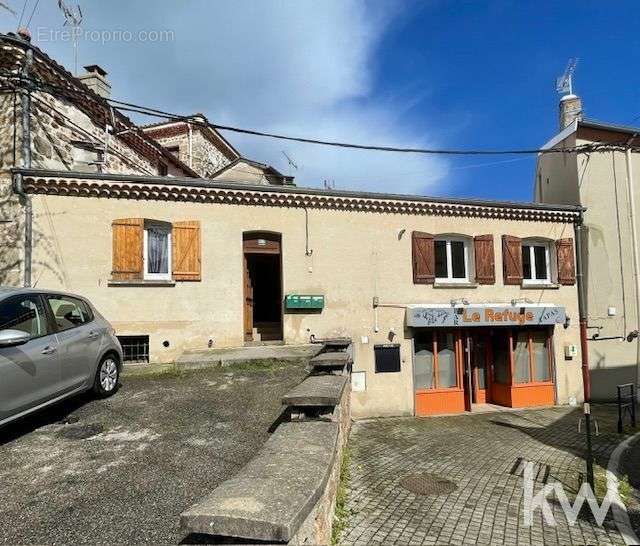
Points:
x=582 y=311
x=25 y=103
x=634 y=246
x=584 y=349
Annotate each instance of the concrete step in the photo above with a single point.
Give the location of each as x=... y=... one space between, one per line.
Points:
x=335 y=344
x=228 y=356
x=330 y=360
x=316 y=390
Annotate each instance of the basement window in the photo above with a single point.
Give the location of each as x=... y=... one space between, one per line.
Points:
x=135 y=349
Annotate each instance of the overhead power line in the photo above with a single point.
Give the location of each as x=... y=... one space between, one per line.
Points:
x=201 y=121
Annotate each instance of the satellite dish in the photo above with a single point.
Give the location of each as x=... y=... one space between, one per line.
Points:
x=564 y=84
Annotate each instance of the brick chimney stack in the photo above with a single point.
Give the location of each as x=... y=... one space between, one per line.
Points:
x=570 y=110
x=95 y=78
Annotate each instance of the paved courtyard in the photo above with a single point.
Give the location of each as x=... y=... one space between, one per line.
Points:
x=480 y=454
x=120 y=471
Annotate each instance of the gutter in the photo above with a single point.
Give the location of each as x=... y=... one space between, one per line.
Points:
x=205 y=183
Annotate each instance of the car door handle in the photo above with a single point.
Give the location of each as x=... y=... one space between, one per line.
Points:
x=49 y=350
x=94 y=335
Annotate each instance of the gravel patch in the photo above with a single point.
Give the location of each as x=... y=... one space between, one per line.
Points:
x=121 y=470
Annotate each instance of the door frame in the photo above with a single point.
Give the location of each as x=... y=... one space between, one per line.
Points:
x=259 y=242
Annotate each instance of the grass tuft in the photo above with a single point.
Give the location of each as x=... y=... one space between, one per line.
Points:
x=342 y=513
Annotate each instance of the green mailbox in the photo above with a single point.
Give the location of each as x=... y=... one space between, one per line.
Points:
x=298 y=301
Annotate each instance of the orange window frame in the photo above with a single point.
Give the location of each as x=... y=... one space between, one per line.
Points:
x=457 y=347
x=512 y=359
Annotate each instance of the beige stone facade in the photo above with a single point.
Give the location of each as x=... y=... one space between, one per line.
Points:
x=361 y=250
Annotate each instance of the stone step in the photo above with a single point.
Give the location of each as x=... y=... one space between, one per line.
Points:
x=335 y=344
x=274 y=493
x=316 y=390
x=330 y=360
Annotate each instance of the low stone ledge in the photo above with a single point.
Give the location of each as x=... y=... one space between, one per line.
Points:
x=275 y=492
x=316 y=390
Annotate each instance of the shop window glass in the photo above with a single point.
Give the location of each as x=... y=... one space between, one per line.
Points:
x=539 y=342
x=424 y=363
x=501 y=359
x=446 y=361
x=521 y=359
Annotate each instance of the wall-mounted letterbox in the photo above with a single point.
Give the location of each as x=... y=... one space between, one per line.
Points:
x=298 y=301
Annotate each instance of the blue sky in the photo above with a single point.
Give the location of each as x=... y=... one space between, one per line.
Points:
x=447 y=74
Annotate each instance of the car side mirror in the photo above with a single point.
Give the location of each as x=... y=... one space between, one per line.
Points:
x=11 y=338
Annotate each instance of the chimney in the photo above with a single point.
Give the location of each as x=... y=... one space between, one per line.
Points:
x=570 y=110
x=95 y=79
x=24 y=33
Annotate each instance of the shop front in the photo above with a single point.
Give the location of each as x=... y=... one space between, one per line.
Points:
x=469 y=356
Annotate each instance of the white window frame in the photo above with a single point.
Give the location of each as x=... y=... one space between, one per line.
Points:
x=145 y=252
x=449 y=278
x=547 y=256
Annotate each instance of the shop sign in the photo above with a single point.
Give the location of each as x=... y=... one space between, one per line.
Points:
x=485 y=315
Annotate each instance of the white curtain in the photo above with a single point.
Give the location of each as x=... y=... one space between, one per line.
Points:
x=158 y=243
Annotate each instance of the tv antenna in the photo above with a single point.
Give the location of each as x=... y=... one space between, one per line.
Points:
x=72 y=17
x=290 y=161
x=564 y=84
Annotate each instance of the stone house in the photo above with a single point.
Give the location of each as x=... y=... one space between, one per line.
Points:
x=450 y=303
x=603 y=183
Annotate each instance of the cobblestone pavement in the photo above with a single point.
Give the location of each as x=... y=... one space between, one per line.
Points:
x=477 y=452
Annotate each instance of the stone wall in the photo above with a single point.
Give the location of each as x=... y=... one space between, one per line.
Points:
x=318 y=526
x=11 y=213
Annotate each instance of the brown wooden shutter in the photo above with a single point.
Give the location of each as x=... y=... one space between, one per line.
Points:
x=424 y=259
x=185 y=246
x=566 y=261
x=128 y=236
x=512 y=259
x=484 y=258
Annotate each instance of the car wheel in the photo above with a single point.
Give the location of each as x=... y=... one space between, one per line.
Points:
x=107 y=376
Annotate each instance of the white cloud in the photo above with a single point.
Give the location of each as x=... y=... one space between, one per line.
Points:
x=300 y=67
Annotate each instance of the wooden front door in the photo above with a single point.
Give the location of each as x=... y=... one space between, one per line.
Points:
x=248 y=302
x=262 y=287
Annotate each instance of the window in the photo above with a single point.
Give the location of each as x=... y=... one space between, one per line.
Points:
x=536 y=263
x=451 y=260
x=435 y=360
x=24 y=313
x=69 y=312
x=135 y=349
x=163 y=170
x=501 y=362
x=532 y=363
x=152 y=250
x=157 y=251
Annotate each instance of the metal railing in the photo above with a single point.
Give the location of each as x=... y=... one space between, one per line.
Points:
x=626 y=404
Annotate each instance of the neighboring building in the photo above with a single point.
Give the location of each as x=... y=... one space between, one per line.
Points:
x=449 y=303
x=212 y=156
x=599 y=181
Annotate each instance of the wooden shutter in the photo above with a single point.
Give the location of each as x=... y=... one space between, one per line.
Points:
x=484 y=258
x=566 y=261
x=128 y=236
x=512 y=259
x=424 y=259
x=185 y=247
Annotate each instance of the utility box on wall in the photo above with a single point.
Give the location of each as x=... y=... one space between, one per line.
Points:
x=298 y=301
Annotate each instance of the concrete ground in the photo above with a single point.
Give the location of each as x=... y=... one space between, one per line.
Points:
x=121 y=470
x=479 y=454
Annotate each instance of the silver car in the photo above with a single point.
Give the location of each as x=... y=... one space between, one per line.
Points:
x=52 y=345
